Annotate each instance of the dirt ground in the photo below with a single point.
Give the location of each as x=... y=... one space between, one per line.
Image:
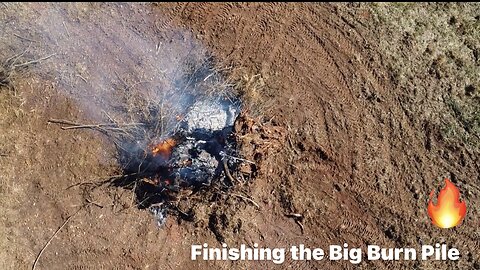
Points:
x=361 y=111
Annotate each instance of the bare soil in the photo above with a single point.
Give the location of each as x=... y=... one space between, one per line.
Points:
x=355 y=113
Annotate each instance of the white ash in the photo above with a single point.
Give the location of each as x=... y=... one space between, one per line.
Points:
x=160 y=214
x=210 y=116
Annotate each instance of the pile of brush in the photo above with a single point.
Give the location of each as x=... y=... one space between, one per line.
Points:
x=175 y=142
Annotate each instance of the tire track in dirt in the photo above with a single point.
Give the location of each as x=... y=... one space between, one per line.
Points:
x=330 y=52
x=322 y=67
x=362 y=190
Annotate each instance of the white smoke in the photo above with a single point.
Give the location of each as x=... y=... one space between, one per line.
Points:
x=114 y=61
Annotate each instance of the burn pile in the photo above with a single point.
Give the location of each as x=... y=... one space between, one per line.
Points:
x=180 y=148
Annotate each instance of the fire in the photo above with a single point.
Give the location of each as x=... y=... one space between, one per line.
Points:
x=449 y=211
x=164 y=148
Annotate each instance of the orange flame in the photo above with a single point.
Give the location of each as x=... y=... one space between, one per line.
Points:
x=164 y=148
x=449 y=211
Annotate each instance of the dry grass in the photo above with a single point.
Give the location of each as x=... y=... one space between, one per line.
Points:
x=443 y=40
x=250 y=86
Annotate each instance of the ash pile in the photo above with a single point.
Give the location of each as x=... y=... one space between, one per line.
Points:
x=202 y=144
x=198 y=151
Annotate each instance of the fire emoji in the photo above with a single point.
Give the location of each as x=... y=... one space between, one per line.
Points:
x=449 y=210
x=164 y=148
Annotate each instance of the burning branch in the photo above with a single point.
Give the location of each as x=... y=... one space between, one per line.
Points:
x=164 y=148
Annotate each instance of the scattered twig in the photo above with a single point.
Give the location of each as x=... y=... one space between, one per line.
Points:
x=300 y=224
x=11 y=61
x=241 y=159
x=298 y=219
x=94 y=203
x=74 y=125
x=109 y=117
x=210 y=75
x=102 y=181
x=157 y=48
x=66 y=29
x=135 y=84
x=34 y=61
x=103 y=125
x=81 y=77
x=61 y=121
x=146 y=199
x=227 y=172
x=294 y=215
x=292 y=146
x=53 y=236
x=118 y=176
x=181 y=212
x=24 y=38
x=132 y=201
x=245 y=198
x=81 y=184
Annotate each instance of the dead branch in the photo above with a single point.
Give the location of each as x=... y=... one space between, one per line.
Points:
x=66 y=29
x=298 y=218
x=241 y=159
x=34 y=61
x=227 y=172
x=53 y=236
x=93 y=203
x=11 y=61
x=60 y=121
x=24 y=38
x=245 y=198
x=81 y=77
x=73 y=125
x=132 y=201
x=108 y=116
x=103 y=125
x=294 y=215
x=300 y=224
x=102 y=181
